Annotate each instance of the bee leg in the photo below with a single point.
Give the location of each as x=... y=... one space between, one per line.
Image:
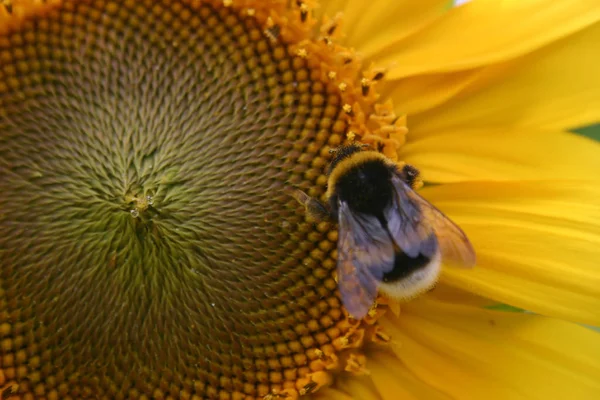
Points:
x=314 y=208
x=317 y=210
x=410 y=175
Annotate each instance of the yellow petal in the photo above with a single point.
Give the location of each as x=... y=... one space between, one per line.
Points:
x=424 y=92
x=517 y=154
x=478 y=33
x=395 y=381
x=445 y=293
x=536 y=242
x=470 y=353
x=358 y=387
x=383 y=22
x=330 y=8
x=555 y=88
x=335 y=394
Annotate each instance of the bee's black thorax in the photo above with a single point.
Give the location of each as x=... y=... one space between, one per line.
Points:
x=366 y=188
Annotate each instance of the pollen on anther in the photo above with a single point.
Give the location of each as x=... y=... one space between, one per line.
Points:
x=343 y=86
x=332 y=75
x=373 y=310
x=347 y=109
x=302 y=53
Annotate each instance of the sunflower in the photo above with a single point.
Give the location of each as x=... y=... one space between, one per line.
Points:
x=148 y=247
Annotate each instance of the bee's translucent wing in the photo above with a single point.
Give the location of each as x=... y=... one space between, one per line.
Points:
x=365 y=254
x=418 y=219
x=406 y=224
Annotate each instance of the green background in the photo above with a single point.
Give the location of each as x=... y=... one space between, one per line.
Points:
x=592 y=132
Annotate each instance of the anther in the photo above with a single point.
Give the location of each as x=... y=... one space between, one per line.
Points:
x=8 y=390
x=332 y=75
x=354 y=338
x=378 y=76
x=329 y=28
x=308 y=388
x=314 y=382
x=365 y=85
x=273 y=32
x=8 y=5
x=356 y=364
x=275 y=395
x=227 y=3
x=348 y=109
x=303 y=12
x=380 y=337
x=343 y=86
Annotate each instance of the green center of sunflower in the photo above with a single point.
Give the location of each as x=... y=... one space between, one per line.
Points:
x=148 y=246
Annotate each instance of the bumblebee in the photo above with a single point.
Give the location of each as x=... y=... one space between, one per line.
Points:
x=389 y=237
